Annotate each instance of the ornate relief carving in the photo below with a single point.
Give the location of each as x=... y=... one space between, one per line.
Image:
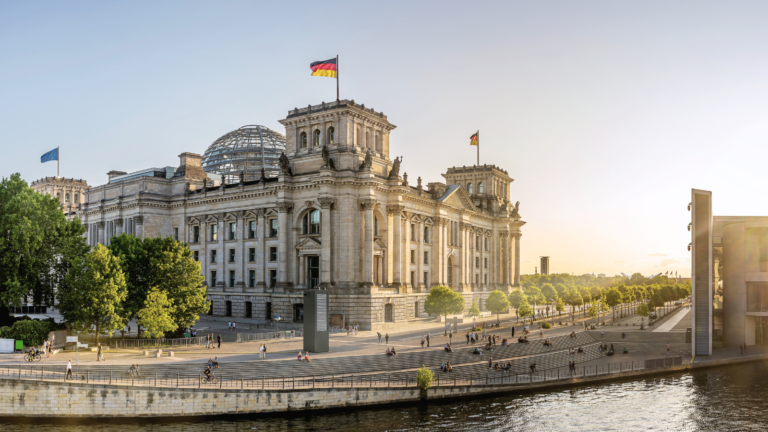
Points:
x=119 y=223
x=284 y=207
x=139 y=220
x=368 y=203
x=100 y=225
x=326 y=203
x=391 y=209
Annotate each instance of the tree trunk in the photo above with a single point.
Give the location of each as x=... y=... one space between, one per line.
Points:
x=97 y=334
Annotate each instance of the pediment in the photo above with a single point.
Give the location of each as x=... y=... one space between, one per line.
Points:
x=459 y=197
x=309 y=243
x=270 y=212
x=193 y=221
x=379 y=245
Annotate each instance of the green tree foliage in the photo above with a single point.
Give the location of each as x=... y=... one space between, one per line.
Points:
x=35 y=245
x=516 y=297
x=534 y=295
x=134 y=260
x=593 y=311
x=525 y=309
x=549 y=293
x=560 y=306
x=497 y=303
x=442 y=300
x=474 y=311
x=93 y=291
x=31 y=332
x=613 y=298
x=157 y=314
x=643 y=310
x=424 y=378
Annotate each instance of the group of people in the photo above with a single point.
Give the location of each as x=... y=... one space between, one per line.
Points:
x=386 y=338
x=523 y=339
x=448 y=347
x=572 y=367
x=209 y=341
x=574 y=352
x=547 y=343
x=423 y=339
x=503 y=367
x=213 y=363
x=232 y=326
x=263 y=352
x=133 y=372
x=47 y=348
x=391 y=352
x=446 y=367
x=353 y=330
x=306 y=357
x=603 y=348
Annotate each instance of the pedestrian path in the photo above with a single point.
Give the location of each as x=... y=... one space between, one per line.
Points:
x=669 y=324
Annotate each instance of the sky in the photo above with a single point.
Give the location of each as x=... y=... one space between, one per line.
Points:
x=604 y=113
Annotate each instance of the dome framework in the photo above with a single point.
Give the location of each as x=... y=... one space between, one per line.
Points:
x=246 y=150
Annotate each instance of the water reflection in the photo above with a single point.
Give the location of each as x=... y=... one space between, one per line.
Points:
x=726 y=399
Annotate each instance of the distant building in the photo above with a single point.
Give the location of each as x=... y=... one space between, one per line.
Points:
x=545 y=265
x=69 y=192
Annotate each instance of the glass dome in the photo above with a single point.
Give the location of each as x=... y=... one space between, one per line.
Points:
x=243 y=150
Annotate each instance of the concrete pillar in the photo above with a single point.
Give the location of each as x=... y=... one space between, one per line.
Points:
x=407 y=283
x=367 y=205
x=221 y=255
x=202 y=251
x=397 y=245
x=240 y=253
x=100 y=226
x=734 y=280
x=419 y=256
x=517 y=259
x=504 y=259
x=139 y=224
x=283 y=231
x=261 y=257
x=326 y=204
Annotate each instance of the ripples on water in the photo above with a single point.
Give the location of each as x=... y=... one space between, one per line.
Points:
x=733 y=398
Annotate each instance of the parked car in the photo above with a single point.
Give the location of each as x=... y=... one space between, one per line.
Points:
x=653 y=316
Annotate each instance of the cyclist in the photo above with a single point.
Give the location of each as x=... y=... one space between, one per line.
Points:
x=209 y=376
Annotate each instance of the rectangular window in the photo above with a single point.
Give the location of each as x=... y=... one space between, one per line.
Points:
x=485 y=263
x=426 y=279
x=214 y=232
x=196 y=255
x=477 y=279
x=413 y=232
x=252 y=254
x=413 y=279
x=426 y=258
x=426 y=234
x=757 y=297
x=252 y=230
x=251 y=278
x=176 y=234
x=231 y=278
x=232 y=230
x=413 y=257
x=477 y=262
x=213 y=256
x=196 y=234
x=213 y=277
x=486 y=245
x=273 y=227
x=272 y=254
x=231 y=255
x=272 y=278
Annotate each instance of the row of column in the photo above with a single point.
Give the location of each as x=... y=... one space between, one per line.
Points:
x=102 y=232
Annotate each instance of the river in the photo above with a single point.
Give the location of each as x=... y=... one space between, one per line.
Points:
x=732 y=398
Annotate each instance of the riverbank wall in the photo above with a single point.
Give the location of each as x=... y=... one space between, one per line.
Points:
x=28 y=398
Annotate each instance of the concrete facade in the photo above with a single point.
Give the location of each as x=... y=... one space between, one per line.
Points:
x=339 y=217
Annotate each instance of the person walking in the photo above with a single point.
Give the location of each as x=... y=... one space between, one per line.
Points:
x=427 y=340
x=379 y=335
x=69 y=370
x=490 y=361
x=513 y=331
x=234 y=326
x=207 y=341
x=467 y=338
x=386 y=338
x=100 y=354
x=219 y=340
x=422 y=341
x=261 y=352
x=265 y=351
x=667 y=348
x=229 y=325
x=450 y=336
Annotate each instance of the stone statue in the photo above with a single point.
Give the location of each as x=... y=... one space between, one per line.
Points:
x=205 y=183
x=242 y=177
x=405 y=179
x=418 y=183
x=516 y=210
x=263 y=174
x=285 y=165
x=327 y=159
x=395 y=171
x=367 y=162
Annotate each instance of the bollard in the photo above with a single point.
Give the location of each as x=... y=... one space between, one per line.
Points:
x=389 y=380
x=42 y=373
x=352 y=381
x=333 y=381
x=199 y=380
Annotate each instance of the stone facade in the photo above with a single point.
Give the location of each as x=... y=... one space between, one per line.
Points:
x=69 y=192
x=339 y=217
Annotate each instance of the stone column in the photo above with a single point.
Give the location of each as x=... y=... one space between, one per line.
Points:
x=517 y=259
x=240 y=253
x=419 y=256
x=283 y=230
x=407 y=283
x=202 y=251
x=505 y=259
x=462 y=258
x=261 y=258
x=139 y=224
x=397 y=244
x=118 y=226
x=221 y=254
x=326 y=205
x=100 y=226
x=367 y=205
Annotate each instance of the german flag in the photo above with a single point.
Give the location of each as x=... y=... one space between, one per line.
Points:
x=475 y=139
x=325 y=68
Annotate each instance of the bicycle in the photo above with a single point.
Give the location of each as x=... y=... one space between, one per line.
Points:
x=32 y=357
x=211 y=379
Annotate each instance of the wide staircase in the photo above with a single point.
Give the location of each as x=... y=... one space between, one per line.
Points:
x=521 y=355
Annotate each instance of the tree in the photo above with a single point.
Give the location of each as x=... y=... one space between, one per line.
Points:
x=573 y=298
x=497 y=303
x=134 y=260
x=516 y=298
x=613 y=299
x=560 y=305
x=534 y=295
x=424 y=378
x=593 y=311
x=524 y=310
x=549 y=293
x=643 y=311
x=474 y=311
x=176 y=273
x=35 y=238
x=156 y=316
x=442 y=300
x=93 y=291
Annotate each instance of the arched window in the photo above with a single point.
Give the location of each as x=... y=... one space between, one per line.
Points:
x=367 y=140
x=375 y=226
x=303 y=140
x=469 y=188
x=58 y=196
x=311 y=223
x=378 y=143
x=66 y=197
x=316 y=141
x=450 y=272
x=77 y=198
x=330 y=135
x=480 y=187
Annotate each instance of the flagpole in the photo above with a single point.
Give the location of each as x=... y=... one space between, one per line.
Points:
x=337 y=77
x=58 y=159
x=478 y=148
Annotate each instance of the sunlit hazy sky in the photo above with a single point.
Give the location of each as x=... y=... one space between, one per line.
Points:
x=605 y=113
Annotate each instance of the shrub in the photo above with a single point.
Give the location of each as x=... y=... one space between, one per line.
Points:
x=546 y=325
x=32 y=332
x=424 y=380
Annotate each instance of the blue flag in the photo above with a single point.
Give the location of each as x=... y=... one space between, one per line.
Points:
x=52 y=155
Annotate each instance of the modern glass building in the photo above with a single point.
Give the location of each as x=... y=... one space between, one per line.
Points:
x=246 y=150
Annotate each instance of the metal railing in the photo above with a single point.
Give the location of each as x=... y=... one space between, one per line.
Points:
x=158 y=343
x=255 y=337
x=441 y=379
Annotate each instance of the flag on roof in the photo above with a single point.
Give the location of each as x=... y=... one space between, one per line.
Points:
x=52 y=155
x=475 y=139
x=325 y=68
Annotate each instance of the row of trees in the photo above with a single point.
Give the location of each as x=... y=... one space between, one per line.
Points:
x=45 y=257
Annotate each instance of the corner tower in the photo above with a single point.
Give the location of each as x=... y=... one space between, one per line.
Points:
x=349 y=130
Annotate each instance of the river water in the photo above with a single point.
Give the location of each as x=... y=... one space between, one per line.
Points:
x=732 y=398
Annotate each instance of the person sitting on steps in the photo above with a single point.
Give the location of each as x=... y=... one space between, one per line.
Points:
x=448 y=367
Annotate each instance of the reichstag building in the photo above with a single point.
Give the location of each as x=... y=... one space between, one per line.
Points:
x=321 y=207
